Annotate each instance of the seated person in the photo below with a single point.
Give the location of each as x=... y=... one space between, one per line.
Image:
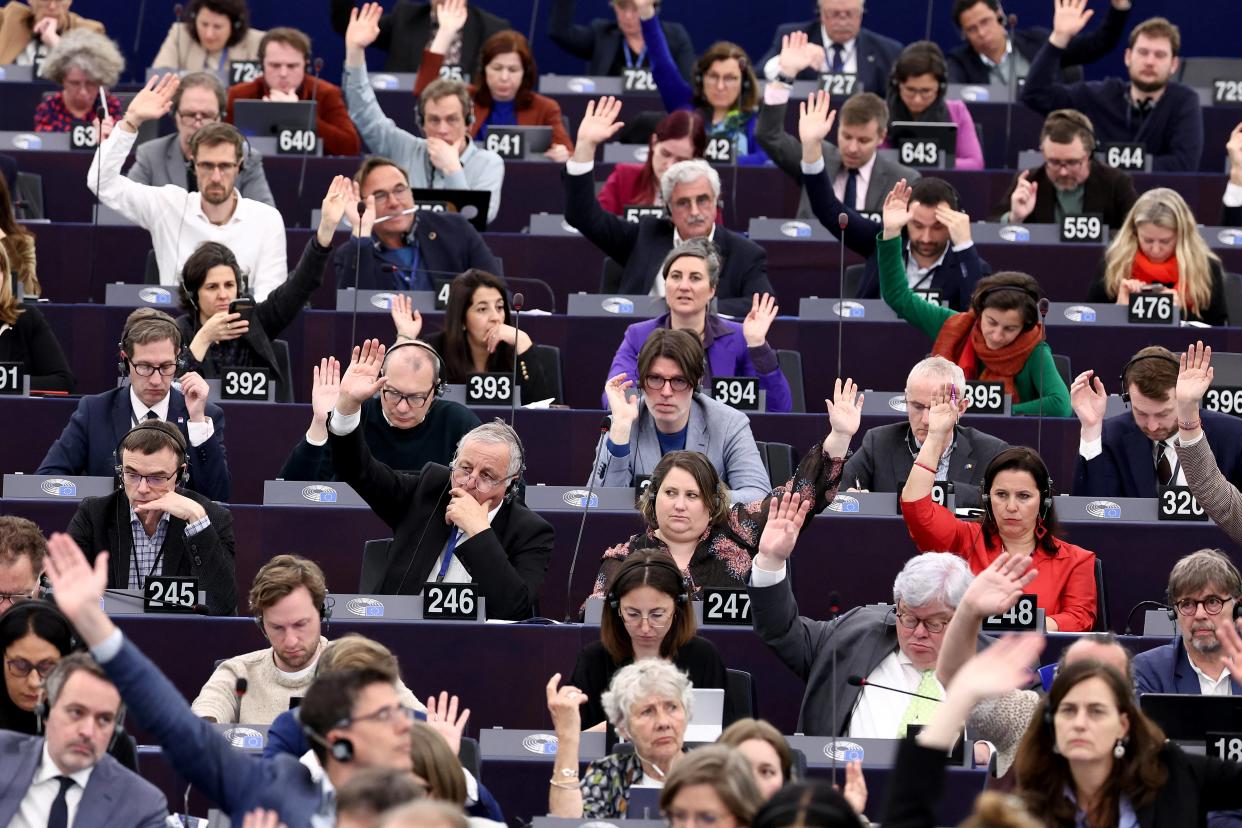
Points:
x=1150 y=108
x=404 y=428
x=505 y=92
x=478 y=337
x=446 y=159
x=210 y=35
x=27 y=339
x=1216 y=494
x=1159 y=249
x=1070 y=181
x=860 y=176
x=404 y=31
x=771 y=760
x=22 y=551
x=691 y=272
x=917 y=92
x=884 y=461
x=611 y=46
x=482 y=534
x=647 y=614
x=840 y=44
x=686 y=508
x=674 y=414
x=435 y=752
x=891 y=644
x=940 y=260
x=150 y=343
x=285 y=54
x=649 y=703
x=405 y=250
x=1204 y=588
x=723 y=88
x=29 y=31
x=691 y=190
x=1231 y=206
x=18 y=243
x=170 y=530
x=1131 y=454
x=83 y=61
x=1018 y=517
x=370 y=794
x=1000 y=339
x=179 y=221
x=714 y=777
x=212 y=280
x=679 y=136
x=990 y=56
x=198 y=101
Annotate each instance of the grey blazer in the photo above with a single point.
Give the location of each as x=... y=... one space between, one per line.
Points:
x=785 y=150
x=884 y=461
x=114 y=797
x=159 y=162
x=715 y=429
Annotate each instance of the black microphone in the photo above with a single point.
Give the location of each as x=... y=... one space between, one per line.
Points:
x=310 y=118
x=1043 y=337
x=842 y=221
x=859 y=681
x=1012 y=20
x=518 y=301
x=1141 y=605
x=239 y=687
x=178 y=13
x=834 y=604
x=353 y=322
x=586 y=506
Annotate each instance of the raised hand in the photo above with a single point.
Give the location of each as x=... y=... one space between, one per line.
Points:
x=325 y=388
x=367 y=219
x=1194 y=377
x=563 y=704
x=194 y=389
x=855 y=791
x=1090 y=402
x=452 y=17
x=443 y=717
x=598 y=125
x=763 y=310
x=1068 y=19
x=998 y=587
x=815 y=120
x=786 y=514
x=78 y=587
x=1002 y=667
x=332 y=209
x=896 y=211
x=794 y=55
x=623 y=408
x=153 y=101
x=362 y=31
x=1022 y=200
x=844 y=416
x=1230 y=646
x=946 y=409
x=405 y=317
x=957 y=222
x=362 y=379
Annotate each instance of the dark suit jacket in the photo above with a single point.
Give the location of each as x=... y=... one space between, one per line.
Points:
x=406 y=31
x=640 y=248
x=884 y=461
x=1166 y=669
x=599 y=42
x=160 y=162
x=876 y=54
x=88 y=443
x=113 y=798
x=1230 y=216
x=447 y=243
x=507 y=561
x=1126 y=467
x=1107 y=191
x=102 y=523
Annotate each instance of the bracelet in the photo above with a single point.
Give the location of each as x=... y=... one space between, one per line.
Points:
x=567 y=785
x=925 y=467
x=1191 y=426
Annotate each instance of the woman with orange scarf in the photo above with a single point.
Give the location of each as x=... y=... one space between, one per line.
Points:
x=999 y=339
x=1159 y=248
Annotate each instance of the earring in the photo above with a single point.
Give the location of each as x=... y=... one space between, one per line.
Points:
x=1040 y=529
x=1119 y=750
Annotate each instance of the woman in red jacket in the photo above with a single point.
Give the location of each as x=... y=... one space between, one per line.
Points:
x=1019 y=518
x=679 y=136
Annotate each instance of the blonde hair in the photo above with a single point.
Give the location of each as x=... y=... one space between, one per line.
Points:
x=1164 y=208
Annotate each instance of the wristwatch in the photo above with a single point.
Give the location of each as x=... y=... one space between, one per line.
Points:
x=781 y=77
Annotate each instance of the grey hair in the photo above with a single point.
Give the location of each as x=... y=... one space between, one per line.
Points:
x=495 y=433
x=932 y=577
x=701 y=248
x=684 y=172
x=95 y=54
x=938 y=368
x=425 y=812
x=66 y=667
x=645 y=677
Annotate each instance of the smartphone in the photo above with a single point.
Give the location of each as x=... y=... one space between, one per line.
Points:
x=243 y=305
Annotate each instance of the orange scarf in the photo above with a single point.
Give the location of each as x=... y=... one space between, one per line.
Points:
x=1149 y=272
x=961 y=340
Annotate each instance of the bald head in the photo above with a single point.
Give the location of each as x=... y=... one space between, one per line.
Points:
x=410 y=371
x=1102 y=648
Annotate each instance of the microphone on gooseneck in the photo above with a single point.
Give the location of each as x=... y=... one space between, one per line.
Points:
x=178 y=13
x=1012 y=20
x=586 y=505
x=1043 y=337
x=859 y=681
x=842 y=221
x=518 y=301
x=318 y=67
x=930 y=10
x=353 y=322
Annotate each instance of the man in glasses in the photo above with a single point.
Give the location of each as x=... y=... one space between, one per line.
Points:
x=168 y=160
x=1204 y=588
x=842 y=44
x=454 y=524
x=1070 y=182
x=150 y=343
x=152 y=527
x=22 y=549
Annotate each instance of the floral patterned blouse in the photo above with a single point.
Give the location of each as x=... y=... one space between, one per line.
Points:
x=606 y=785
x=51 y=115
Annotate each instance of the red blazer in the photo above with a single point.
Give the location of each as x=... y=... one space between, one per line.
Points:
x=1065 y=583
x=335 y=129
x=541 y=111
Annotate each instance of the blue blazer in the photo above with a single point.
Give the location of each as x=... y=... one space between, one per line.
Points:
x=447 y=244
x=1126 y=467
x=88 y=443
x=876 y=54
x=1166 y=669
x=114 y=797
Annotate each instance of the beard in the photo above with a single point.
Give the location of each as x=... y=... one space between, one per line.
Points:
x=1149 y=87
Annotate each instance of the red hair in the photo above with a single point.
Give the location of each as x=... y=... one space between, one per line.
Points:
x=683 y=123
x=502 y=43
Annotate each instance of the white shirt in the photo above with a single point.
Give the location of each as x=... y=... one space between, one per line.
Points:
x=457 y=572
x=199 y=432
x=177 y=224
x=325 y=816
x=1209 y=686
x=1233 y=195
x=1091 y=449
x=878 y=713
x=36 y=805
x=864 y=180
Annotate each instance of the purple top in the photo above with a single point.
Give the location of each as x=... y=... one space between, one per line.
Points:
x=968 y=155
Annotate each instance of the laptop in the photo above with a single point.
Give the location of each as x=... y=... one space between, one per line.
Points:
x=707 y=719
x=265 y=118
x=942 y=134
x=1189 y=718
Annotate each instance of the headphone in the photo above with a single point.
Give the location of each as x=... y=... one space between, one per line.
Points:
x=246 y=148
x=325 y=617
x=743 y=62
x=1029 y=292
x=1045 y=502
x=512 y=490
x=1125 y=387
x=175 y=441
x=681 y=599
x=122 y=356
x=939 y=68
x=342 y=750
x=227 y=259
x=437 y=383
x=42 y=709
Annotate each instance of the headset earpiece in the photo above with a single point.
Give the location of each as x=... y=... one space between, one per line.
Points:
x=342 y=750
x=683 y=596
x=1125 y=370
x=437 y=383
x=178 y=445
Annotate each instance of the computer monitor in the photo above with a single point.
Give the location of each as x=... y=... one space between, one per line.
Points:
x=1189 y=718
x=942 y=134
x=260 y=119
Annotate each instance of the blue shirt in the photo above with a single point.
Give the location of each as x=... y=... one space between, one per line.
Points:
x=503 y=113
x=672 y=442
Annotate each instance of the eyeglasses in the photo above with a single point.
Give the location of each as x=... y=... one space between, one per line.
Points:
x=21 y=668
x=484 y=481
x=1212 y=605
x=714 y=79
x=655 y=382
x=198 y=117
x=395 y=398
x=920 y=91
x=397 y=193
x=155 y=481
x=208 y=168
x=911 y=623
x=146 y=369
x=16 y=597
x=1066 y=165
x=657 y=619
x=391 y=713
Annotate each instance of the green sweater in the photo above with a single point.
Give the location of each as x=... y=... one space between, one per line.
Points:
x=929 y=318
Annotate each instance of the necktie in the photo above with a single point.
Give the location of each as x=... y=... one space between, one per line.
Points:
x=1164 y=471
x=151 y=415
x=448 y=553
x=919 y=711
x=851 y=189
x=838 y=57
x=58 y=817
